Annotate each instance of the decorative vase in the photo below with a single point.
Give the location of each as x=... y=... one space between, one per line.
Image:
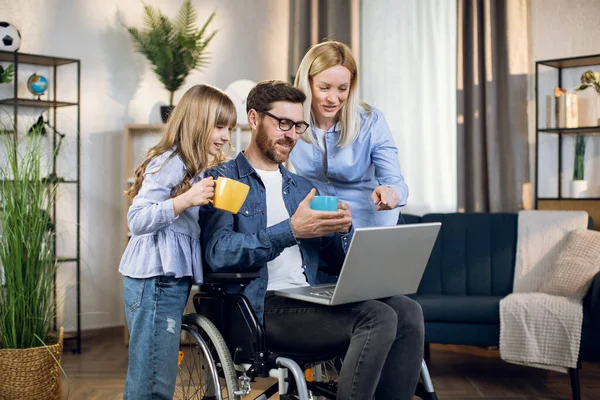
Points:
x=34 y=373
x=579 y=189
x=165 y=111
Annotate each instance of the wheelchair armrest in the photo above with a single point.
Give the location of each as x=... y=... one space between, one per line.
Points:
x=234 y=278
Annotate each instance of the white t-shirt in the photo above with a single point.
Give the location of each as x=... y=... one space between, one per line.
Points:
x=286 y=270
x=320 y=136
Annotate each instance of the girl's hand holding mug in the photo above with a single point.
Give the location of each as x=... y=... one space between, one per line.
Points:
x=200 y=192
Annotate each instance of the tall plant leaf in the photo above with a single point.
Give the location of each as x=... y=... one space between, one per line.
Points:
x=26 y=303
x=579 y=166
x=186 y=21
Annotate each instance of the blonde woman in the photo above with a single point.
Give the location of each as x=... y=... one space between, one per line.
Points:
x=163 y=257
x=349 y=151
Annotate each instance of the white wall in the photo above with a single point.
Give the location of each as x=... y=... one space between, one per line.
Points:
x=119 y=88
x=562 y=28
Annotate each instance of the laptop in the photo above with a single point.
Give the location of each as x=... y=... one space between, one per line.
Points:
x=380 y=262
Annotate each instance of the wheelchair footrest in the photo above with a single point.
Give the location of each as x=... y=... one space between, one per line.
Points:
x=423 y=394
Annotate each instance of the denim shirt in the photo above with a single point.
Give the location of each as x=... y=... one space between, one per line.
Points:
x=352 y=172
x=242 y=242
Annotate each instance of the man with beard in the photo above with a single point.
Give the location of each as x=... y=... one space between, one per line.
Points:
x=278 y=235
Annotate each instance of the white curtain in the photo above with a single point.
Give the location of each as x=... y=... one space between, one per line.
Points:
x=408 y=70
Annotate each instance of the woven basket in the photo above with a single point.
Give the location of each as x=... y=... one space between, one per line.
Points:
x=29 y=374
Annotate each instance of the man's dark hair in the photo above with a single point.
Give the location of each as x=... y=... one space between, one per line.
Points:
x=265 y=93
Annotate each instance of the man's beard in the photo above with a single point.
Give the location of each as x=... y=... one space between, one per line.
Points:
x=267 y=146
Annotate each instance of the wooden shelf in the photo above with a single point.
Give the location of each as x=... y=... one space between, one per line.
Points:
x=65 y=259
x=588 y=130
x=592 y=207
x=143 y=128
x=573 y=62
x=36 y=103
x=24 y=58
x=570 y=198
x=45 y=180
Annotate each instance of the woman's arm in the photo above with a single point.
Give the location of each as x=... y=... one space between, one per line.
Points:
x=384 y=155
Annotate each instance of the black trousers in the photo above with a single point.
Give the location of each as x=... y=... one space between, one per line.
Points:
x=381 y=342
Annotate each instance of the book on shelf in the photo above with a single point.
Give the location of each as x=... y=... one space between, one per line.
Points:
x=589 y=107
x=572 y=114
x=566 y=110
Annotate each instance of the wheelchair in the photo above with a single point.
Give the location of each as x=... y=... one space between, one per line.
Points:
x=223 y=351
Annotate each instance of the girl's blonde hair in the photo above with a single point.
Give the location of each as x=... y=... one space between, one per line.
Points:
x=320 y=57
x=188 y=132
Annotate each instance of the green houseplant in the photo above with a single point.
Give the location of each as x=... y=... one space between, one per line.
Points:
x=579 y=184
x=29 y=353
x=589 y=79
x=174 y=47
x=578 y=170
x=7 y=74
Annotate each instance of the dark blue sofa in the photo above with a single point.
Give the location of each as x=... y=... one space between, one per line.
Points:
x=470 y=270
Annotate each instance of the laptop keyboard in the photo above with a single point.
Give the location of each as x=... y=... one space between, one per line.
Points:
x=327 y=293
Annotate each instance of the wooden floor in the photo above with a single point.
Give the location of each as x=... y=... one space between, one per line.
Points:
x=458 y=372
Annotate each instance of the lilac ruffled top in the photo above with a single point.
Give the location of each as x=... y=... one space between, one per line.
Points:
x=161 y=243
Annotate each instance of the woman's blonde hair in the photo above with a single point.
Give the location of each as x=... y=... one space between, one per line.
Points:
x=320 y=57
x=188 y=132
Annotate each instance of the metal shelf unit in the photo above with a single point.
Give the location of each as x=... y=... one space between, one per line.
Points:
x=51 y=105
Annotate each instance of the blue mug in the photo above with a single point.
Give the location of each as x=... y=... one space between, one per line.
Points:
x=324 y=203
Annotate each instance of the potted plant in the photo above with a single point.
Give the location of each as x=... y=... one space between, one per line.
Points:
x=7 y=74
x=174 y=47
x=589 y=116
x=579 y=184
x=29 y=353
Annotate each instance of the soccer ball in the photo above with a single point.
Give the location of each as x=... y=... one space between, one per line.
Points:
x=10 y=37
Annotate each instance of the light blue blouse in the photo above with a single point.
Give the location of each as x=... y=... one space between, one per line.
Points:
x=353 y=171
x=161 y=243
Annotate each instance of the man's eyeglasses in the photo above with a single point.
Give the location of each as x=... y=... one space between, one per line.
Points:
x=287 y=124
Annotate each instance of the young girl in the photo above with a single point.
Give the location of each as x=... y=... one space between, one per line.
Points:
x=163 y=255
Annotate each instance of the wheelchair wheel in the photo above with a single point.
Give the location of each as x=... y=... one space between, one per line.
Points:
x=205 y=365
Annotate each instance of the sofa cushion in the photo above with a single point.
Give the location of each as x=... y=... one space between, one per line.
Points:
x=576 y=265
x=408 y=219
x=474 y=255
x=460 y=309
x=434 y=309
x=462 y=333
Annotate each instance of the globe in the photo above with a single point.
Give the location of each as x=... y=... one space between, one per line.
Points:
x=37 y=85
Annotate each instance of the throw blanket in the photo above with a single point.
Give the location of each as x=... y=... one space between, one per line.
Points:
x=538 y=329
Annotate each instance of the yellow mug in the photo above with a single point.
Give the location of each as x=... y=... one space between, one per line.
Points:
x=229 y=194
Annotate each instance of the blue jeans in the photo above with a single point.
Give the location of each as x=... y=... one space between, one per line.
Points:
x=153 y=308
